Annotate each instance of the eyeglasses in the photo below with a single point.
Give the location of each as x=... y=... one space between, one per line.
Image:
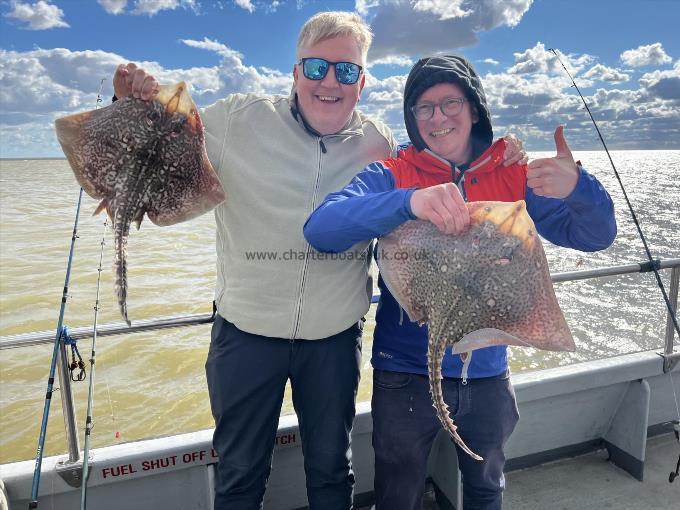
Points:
x=450 y=106
x=316 y=69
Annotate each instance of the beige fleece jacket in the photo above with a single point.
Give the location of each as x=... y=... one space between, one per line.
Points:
x=274 y=172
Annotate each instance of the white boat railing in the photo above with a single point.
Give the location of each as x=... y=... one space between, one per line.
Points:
x=670 y=358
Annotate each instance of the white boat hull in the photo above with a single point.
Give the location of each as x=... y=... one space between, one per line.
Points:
x=611 y=403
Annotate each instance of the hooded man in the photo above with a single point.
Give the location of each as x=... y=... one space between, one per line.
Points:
x=451 y=159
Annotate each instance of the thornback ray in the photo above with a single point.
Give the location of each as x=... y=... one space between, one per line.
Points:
x=489 y=285
x=142 y=158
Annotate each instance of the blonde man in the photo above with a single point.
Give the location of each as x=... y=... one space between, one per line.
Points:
x=284 y=314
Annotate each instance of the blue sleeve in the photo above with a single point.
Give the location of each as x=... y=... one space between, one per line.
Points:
x=366 y=208
x=584 y=220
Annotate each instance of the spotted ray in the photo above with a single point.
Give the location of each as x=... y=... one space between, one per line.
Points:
x=488 y=286
x=142 y=157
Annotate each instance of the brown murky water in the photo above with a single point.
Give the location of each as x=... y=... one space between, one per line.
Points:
x=152 y=384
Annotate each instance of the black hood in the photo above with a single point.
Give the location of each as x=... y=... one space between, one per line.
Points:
x=448 y=69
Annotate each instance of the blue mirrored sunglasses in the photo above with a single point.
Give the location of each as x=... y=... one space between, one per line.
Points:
x=316 y=69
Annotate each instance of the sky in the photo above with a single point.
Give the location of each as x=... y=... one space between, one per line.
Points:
x=623 y=54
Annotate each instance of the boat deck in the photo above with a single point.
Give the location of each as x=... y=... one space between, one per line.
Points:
x=590 y=482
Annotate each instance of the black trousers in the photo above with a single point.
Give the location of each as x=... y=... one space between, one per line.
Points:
x=247 y=376
x=405 y=426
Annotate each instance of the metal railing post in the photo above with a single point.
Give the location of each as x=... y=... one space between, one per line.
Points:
x=670 y=358
x=68 y=406
x=673 y=296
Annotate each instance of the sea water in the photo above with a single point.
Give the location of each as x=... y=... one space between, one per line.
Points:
x=152 y=384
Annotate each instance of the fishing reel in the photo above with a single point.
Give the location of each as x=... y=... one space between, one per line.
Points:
x=77 y=366
x=80 y=374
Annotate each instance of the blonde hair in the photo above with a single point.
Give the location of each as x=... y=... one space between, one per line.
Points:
x=327 y=25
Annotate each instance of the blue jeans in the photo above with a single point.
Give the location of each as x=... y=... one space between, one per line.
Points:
x=405 y=426
x=247 y=376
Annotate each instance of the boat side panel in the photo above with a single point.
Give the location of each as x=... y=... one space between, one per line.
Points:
x=561 y=409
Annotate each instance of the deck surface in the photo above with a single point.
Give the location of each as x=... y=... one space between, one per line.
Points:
x=590 y=482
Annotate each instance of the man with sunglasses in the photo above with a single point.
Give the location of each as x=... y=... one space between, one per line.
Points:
x=451 y=159
x=283 y=314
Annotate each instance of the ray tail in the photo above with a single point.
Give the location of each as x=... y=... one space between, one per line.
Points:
x=435 y=356
x=121 y=229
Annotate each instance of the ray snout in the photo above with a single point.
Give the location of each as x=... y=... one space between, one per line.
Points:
x=511 y=218
x=176 y=99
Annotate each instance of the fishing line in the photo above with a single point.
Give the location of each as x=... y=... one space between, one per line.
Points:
x=116 y=434
x=530 y=113
x=90 y=391
x=33 y=502
x=653 y=265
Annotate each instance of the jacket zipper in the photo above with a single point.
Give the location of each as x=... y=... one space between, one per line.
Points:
x=296 y=326
x=460 y=183
x=466 y=365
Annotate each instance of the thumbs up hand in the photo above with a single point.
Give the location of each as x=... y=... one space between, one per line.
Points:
x=554 y=177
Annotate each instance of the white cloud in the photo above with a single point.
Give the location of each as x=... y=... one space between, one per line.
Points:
x=390 y=83
x=59 y=80
x=38 y=16
x=522 y=100
x=385 y=96
x=272 y=7
x=35 y=138
x=361 y=6
x=392 y=60
x=382 y=99
x=652 y=54
x=604 y=73
x=151 y=7
x=615 y=101
x=232 y=75
x=62 y=82
x=146 y=7
x=541 y=60
x=529 y=104
x=444 y=9
x=533 y=96
x=416 y=28
x=217 y=47
x=113 y=6
x=245 y=4
x=491 y=61
x=664 y=85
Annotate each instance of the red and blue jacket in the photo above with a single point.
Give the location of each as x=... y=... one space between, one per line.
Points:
x=377 y=201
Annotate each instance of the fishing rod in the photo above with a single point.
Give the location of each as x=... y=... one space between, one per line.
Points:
x=653 y=264
x=33 y=502
x=90 y=391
